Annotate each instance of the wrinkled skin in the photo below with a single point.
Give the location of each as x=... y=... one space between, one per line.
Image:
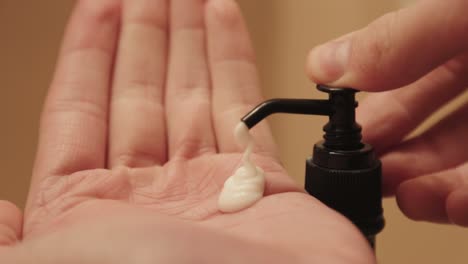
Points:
x=136 y=142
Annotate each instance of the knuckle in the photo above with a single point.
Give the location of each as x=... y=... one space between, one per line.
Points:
x=144 y=89
x=137 y=158
x=146 y=13
x=84 y=108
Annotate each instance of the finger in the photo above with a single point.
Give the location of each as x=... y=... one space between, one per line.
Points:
x=137 y=124
x=438 y=149
x=10 y=224
x=440 y=197
x=457 y=204
x=234 y=74
x=188 y=95
x=395 y=50
x=73 y=130
x=388 y=117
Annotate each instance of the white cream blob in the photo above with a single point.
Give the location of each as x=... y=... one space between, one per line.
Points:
x=247 y=184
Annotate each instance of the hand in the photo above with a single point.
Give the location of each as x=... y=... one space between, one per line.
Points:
x=424 y=50
x=119 y=233
x=136 y=142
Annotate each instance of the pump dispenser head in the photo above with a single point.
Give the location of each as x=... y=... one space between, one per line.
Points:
x=343 y=172
x=341 y=132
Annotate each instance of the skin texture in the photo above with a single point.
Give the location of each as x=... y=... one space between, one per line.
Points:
x=136 y=140
x=417 y=59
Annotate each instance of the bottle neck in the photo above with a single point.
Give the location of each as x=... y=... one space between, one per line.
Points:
x=342 y=132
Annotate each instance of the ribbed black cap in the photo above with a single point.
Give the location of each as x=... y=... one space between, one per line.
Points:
x=350 y=183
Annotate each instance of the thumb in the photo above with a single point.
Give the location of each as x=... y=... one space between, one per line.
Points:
x=396 y=49
x=11 y=222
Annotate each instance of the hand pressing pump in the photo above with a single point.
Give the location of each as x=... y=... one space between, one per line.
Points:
x=343 y=172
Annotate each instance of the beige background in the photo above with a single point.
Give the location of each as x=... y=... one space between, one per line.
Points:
x=283 y=32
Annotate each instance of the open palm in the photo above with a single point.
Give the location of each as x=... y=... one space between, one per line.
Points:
x=139 y=121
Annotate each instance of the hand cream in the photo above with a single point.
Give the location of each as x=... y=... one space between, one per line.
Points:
x=247 y=184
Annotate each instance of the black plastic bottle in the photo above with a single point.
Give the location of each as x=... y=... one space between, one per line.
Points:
x=343 y=172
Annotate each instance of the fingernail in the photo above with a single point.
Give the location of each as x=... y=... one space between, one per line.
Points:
x=327 y=63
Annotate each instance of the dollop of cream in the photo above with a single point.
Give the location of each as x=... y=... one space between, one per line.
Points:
x=247 y=184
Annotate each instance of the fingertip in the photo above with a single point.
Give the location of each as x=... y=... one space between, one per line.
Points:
x=326 y=64
x=422 y=200
x=311 y=67
x=457 y=206
x=404 y=197
x=11 y=222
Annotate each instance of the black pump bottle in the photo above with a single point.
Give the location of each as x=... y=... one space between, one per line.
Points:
x=343 y=172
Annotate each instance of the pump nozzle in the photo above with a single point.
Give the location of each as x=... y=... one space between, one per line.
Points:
x=343 y=172
x=342 y=132
x=287 y=106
